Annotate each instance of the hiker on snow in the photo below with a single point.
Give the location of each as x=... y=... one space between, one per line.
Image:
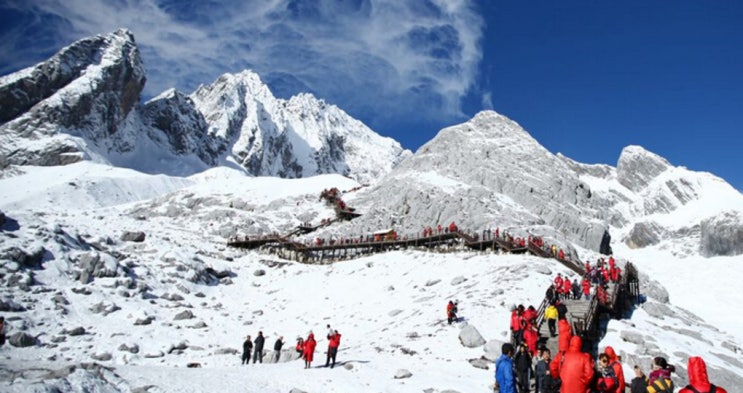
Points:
x=247 y=349
x=333 y=344
x=277 y=347
x=451 y=312
x=258 y=344
x=309 y=350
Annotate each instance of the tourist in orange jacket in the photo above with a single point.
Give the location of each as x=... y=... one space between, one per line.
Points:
x=698 y=379
x=618 y=370
x=577 y=370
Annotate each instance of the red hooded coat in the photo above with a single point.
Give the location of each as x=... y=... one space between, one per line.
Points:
x=698 y=377
x=618 y=371
x=567 y=286
x=564 y=334
x=531 y=336
x=309 y=347
x=577 y=371
x=515 y=320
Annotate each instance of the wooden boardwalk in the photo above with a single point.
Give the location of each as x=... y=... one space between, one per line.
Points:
x=356 y=247
x=583 y=315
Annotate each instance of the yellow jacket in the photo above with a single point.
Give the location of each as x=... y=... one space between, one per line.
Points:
x=550 y=312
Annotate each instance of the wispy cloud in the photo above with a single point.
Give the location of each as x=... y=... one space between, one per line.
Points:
x=381 y=60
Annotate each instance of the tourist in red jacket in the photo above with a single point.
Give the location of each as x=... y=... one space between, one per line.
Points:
x=698 y=379
x=564 y=334
x=309 y=350
x=333 y=342
x=531 y=337
x=558 y=282
x=618 y=370
x=530 y=314
x=567 y=286
x=577 y=370
x=586 y=288
x=451 y=312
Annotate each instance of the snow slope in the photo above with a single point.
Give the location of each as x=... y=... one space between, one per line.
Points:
x=389 y=307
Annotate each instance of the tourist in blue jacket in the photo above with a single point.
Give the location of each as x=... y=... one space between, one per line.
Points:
x=504 y=377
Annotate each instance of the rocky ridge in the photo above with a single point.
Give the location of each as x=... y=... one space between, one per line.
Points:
x=84 y=104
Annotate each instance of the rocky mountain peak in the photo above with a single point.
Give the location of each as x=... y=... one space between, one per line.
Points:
x=637 y=167
x=86 y=90
x=83 y=103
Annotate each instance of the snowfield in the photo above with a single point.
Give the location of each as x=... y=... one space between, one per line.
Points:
x=389 y=308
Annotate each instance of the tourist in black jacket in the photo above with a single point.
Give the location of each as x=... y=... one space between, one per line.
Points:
x=522 y=363
x=258 y=353
x=277 y=347
x=247 y=349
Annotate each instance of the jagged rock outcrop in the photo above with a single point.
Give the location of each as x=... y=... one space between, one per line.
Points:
x=85 y=91
x=637 y=167
x=83 y=104
x=291 y=138
x=722 y=235
x=644 y=234
x=487 y=172
x=175 y=122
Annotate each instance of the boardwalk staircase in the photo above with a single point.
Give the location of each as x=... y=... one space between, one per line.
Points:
x=584 y=315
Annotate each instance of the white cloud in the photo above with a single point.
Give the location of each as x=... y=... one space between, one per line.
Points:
x=487 y=101
x=381 y=59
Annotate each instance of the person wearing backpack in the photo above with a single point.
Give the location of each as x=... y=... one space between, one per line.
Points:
x=698 y=379
x=618 y=370
x=659 y=379
x=608 y=380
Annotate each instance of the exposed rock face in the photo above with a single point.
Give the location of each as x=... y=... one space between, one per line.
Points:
x=83 y=104
x=488 y=172
x=722 y=235
x=637 y=167
x=644 y=234
x=291 y=138
x=86 y=90
x=182 y=126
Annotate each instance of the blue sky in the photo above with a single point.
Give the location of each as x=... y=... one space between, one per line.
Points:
x=585 y=78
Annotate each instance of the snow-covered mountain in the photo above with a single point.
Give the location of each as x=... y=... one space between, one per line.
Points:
x=114 y=219
x=83 y=104
x=115 y=281
x=489 y=172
